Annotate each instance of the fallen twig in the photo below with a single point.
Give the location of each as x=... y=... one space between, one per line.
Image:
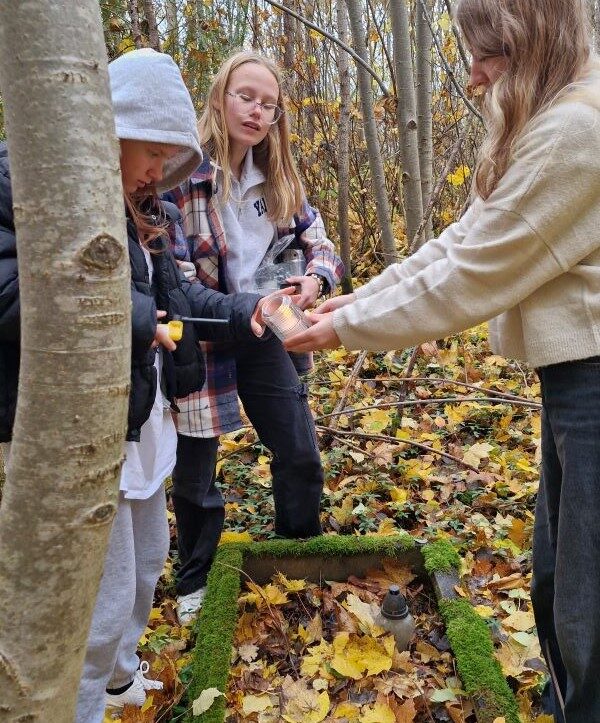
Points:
x=394 y=440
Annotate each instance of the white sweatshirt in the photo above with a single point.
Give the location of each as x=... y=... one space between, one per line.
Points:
x=529 y=256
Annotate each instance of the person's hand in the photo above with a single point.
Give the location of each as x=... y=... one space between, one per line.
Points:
x=321 y=335
x=335 y=303
x=162 y=334
x=188 y=269
x=256 y=321
x=308 y=290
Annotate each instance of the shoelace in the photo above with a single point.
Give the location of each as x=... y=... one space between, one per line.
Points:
x=146 y=683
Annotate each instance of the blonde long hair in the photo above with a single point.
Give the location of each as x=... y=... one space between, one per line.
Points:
x=547 y=43
x=283 y=188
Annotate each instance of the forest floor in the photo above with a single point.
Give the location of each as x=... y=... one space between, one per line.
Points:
x=445 y=443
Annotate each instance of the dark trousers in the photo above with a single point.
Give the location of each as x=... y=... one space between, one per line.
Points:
x=566 y=544
x=275 y=401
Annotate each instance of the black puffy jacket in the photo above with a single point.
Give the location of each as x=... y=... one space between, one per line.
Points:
x=183 y=370
x=10 y=327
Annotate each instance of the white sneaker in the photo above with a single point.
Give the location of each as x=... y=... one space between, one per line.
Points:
x=136 y=693
x=189 y=605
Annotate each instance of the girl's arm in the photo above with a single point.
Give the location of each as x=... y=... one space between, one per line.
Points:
x=432 y=251
x=318 y=250
x=540 y=222
x=236 y=308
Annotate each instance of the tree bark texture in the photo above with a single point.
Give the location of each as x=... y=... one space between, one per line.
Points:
x=136 y=30
x=343 y=138
x=62 y=483
x=382 y=206
x=150 y=14
x=172 y=42
x=289 y=32
x=406 y=111
x=423 y=76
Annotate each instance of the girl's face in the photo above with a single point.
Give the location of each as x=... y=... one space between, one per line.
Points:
x=486 y=69
x=248 y=123
x=142 y=163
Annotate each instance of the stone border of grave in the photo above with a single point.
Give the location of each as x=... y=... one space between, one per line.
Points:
x=334 y=557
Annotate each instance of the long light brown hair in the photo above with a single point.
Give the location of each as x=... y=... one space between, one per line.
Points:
x=149 y=226
x=547 y=44
x=283 y=188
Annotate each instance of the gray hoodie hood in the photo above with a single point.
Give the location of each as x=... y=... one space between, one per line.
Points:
x=151 y=103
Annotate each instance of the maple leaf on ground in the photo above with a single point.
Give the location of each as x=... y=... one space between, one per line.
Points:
x=312 y=632
x=357 y=655
x=379 y=713
x=303 y=704
x=247 y=653
x=290 y=585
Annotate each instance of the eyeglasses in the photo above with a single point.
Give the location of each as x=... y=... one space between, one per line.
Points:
x=271 y=112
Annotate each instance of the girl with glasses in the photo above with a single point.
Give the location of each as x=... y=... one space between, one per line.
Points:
x=526 y=255
x=244 y=198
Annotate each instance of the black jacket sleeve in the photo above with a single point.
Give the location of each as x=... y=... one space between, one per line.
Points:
x=143 y=322
x=236 y=308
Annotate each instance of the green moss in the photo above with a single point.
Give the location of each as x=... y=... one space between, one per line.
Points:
x=333 y=546
x=440 y=556
x=216 y=629
x=479 y=670
x=467 y=632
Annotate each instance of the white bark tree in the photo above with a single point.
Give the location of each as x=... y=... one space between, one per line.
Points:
x=388 y=243
x=343 y=159
x=423 y=78
x=61 y=490
x=406 y=111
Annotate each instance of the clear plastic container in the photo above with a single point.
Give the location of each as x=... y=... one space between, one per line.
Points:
x=284 y=318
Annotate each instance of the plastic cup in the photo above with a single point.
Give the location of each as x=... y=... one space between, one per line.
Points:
x=284 y=318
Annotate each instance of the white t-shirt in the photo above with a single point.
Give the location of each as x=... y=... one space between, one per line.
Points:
x=149 y=461
x=247 y=227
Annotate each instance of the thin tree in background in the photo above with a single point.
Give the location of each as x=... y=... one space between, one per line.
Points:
x=136 y=30
x=388 y=244
x=61 y=491
x=343 y=138
x=406 y=112
x=172 y=39
x=423 y=82
x=153 y=37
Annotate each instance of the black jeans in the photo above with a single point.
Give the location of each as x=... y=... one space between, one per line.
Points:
x=275 y=401
x=565 y=588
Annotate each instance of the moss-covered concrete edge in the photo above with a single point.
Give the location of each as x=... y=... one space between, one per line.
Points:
x=440 y=556
x=216 y=628
x=479 y=670
x=467 y=632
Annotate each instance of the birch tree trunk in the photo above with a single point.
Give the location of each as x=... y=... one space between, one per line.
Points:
x=60 y=494
x=406 y=112
x=153 y=38
x=136 y=30
x=172 y=42
x=423 y=76
x=289 y=32
x=388 y=243
x=343 y=162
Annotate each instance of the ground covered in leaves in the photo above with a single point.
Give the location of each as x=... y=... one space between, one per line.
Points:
x=442 y=442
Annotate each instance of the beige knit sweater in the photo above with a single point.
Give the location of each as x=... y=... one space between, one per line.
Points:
x=529 y=256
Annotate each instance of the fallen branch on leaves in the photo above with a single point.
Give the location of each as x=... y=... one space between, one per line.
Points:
x=394 y=440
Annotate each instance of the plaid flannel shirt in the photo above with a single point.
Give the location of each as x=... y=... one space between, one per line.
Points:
x=199 y=236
